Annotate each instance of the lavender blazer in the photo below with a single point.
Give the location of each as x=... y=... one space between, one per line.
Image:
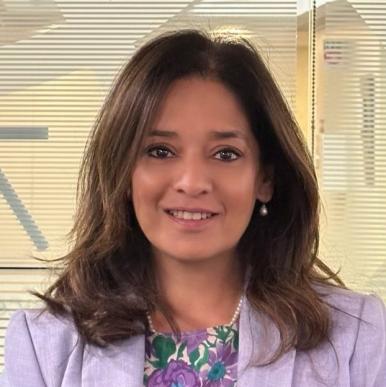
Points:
x=41 y=351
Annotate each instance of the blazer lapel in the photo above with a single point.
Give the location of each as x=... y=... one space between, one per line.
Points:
x=119 y=365
x=260 y=337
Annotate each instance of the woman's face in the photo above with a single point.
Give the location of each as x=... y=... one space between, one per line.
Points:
x=199 y=157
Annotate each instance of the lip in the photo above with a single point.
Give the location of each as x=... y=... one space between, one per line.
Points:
x=190 y=223
x=191 y=210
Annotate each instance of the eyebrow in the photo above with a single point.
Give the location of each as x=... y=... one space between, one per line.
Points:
x=215 y=134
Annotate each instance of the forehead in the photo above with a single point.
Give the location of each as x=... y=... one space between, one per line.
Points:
x=199 y=106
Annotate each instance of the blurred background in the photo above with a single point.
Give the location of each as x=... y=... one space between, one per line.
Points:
x=58 y=59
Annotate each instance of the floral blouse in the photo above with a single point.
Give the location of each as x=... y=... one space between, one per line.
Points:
x=204 y=358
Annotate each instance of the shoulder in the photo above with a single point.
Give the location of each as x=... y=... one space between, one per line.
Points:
x=350 y=306
x=358 y=333
x=35 y=324
x=42 y=350
x=40 y=345
x=40 y=318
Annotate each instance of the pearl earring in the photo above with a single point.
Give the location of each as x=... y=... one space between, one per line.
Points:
x=263 y=211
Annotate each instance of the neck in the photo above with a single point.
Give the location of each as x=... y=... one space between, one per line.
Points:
x=198 y=294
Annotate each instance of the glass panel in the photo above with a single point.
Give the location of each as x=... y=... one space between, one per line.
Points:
x=351 y=141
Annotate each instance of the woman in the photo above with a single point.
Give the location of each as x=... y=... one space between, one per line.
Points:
x=195 y=242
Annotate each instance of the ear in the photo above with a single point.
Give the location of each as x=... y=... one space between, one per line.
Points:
x=264 y=188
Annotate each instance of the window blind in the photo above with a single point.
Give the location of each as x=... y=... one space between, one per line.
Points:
x=351 y=113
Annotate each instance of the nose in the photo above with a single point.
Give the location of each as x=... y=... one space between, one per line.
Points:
x=193 y=177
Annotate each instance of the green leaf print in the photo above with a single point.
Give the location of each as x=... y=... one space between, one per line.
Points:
x=164 y=347
x=223 y=333
x=193 y=356
x=204 y=359
x=181 y=349
x=197 y=360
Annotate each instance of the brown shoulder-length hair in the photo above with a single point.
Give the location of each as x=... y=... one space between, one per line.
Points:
x=106 y=282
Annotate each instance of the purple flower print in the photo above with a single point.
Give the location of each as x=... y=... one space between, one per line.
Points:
x=176 y=374
x=194 y=340
x=222 y=370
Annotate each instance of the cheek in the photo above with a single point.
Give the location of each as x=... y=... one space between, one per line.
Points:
x=141 y=192
x=240 y=201
x=241 y=190
x=147 y=190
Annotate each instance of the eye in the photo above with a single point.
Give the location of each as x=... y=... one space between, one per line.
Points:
x=228 y=154
x=158 y=151
x=162 y=151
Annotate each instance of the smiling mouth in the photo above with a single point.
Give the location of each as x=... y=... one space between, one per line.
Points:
x=190 y=216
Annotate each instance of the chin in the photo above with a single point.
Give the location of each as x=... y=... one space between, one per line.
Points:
x=187 y=255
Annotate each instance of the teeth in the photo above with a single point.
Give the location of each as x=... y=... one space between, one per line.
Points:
x=190 y=215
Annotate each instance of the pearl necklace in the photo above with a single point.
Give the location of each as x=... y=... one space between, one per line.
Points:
x=234 y=318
